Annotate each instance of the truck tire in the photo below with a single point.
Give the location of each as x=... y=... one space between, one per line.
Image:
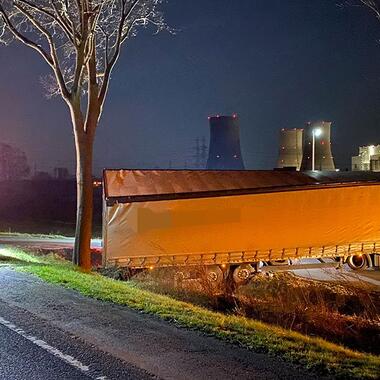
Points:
x=214 y=275
x=242 y=274
x=356 y=262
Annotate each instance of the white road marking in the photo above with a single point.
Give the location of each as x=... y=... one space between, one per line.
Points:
x=52 y=350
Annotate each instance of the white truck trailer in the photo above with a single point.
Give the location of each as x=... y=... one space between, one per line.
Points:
x=236 y=221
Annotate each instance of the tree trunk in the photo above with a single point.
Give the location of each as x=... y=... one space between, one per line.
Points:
x=84 y=133
x=84 y=142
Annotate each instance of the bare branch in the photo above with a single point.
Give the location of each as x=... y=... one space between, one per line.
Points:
x=53 y=51
x=80 y=39
x=53 y=15
x=25 y=40
x=373 y=5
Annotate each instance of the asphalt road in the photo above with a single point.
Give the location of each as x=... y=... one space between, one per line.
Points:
x=48 y=332
x=43 y=242
x=24 y=356
x=13 y=347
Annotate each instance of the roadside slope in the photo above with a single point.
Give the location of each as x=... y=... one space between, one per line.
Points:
x=146 y=342
x=306 y=352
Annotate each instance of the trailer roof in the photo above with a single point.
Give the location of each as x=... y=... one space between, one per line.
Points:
x=130 y=185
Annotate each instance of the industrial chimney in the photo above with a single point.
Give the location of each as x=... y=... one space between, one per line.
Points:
x=224 y=149
x=323 y=156
x=290 y=152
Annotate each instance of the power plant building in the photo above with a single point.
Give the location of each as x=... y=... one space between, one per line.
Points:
x=224 y=148
x=290 y=152
x=323 y=159
x=368 y=159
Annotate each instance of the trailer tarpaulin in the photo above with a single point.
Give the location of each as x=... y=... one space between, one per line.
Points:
x=152 y=214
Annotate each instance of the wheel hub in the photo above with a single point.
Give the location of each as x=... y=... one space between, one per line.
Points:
x=212 y=276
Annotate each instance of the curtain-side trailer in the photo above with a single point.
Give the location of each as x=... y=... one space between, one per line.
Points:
x=234 y=220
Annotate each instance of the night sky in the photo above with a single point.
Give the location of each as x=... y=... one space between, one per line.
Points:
x=277 y=64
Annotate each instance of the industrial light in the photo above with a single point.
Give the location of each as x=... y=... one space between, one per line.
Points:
x=317 y=132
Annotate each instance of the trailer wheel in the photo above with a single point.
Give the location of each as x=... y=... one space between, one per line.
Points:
x=214 y=275
x=242 y=274
x=356 y=262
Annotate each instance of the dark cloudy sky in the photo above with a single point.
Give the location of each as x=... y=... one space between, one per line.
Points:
x=276 y=63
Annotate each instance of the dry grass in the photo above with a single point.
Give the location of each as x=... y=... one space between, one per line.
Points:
x=344 y=312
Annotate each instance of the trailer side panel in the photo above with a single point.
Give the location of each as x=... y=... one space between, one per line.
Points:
x=261 y=224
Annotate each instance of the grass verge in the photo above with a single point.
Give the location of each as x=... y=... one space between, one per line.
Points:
x=312 y=353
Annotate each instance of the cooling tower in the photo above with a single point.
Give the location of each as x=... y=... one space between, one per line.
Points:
x=290 y=153
x=224 y=150
x=323 y=156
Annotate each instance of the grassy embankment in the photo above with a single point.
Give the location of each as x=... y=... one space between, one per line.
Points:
x=352 y=308
x=313 y=353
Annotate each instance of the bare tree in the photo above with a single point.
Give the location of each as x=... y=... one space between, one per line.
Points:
x=81 y=41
